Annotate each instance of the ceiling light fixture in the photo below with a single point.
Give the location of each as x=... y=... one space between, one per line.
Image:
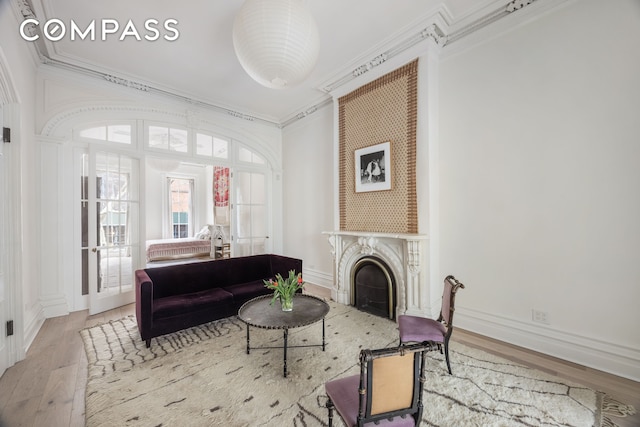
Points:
x=276 y=41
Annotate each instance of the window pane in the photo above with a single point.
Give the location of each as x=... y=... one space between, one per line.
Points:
x=244 y=221
x=95 y=133
x=243 y=248
x=178 y=140
x=243 y=187
x=257 y=221
x=244 y=155
x=257 y=189
x=248 y=156
x=220 y=148
x=158 y=137
x=257 y=159
x=124 y=178
x=180 y=205
x=119 y=133
x=259 y=246
x=204 y=145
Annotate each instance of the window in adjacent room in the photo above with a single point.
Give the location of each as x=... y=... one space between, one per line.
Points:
x=180 y=207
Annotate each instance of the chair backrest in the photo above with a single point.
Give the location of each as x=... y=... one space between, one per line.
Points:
x=391 y=382
x=451 y=286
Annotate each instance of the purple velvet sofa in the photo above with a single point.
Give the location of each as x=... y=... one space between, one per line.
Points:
x=176 y=297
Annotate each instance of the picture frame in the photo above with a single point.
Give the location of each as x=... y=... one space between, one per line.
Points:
x=373 y=168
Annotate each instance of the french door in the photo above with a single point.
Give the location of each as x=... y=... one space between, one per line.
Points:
x=113 y=218
x=250 y=213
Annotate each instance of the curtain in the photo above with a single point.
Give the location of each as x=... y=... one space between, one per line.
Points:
x=221 y=195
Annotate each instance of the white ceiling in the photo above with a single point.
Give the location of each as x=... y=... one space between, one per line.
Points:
x=202 y=65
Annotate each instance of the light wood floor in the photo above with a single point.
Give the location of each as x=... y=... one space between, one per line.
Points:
x=47 y=388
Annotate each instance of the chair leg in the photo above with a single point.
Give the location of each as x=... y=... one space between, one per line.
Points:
x=329 y=406
x=446 y=355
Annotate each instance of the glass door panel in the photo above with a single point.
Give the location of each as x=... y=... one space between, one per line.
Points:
x=115 y=248
x=250 y=213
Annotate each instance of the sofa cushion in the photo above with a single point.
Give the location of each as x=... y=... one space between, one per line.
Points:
x=185 y=278
x=246 y=269
x=187 y=303
x=243 y=292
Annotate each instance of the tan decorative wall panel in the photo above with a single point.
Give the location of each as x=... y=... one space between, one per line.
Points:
x=383 y=110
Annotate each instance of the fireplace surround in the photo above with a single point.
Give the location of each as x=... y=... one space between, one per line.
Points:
x=405 y=255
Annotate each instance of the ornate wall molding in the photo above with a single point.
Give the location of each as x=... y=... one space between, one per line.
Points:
x=53 y=125
x=380 y=59
x=61 y=124
x=518 y=4
x=8 y=94
x=26 y=10
x=489 y=18
x=438 y=32
x=126 y=83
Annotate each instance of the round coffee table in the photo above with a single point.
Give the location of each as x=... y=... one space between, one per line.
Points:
x=260 y=313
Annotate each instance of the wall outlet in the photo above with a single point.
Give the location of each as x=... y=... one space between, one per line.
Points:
x=540 y=316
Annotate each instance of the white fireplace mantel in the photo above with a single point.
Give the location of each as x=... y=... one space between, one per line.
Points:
x=405 y=254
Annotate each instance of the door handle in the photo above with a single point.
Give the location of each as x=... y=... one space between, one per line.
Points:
x=94 y=250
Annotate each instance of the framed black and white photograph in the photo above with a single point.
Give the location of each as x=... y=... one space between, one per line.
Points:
x=373 y=168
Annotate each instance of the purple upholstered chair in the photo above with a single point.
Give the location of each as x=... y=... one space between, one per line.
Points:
x=387 y=392
x=420 y=329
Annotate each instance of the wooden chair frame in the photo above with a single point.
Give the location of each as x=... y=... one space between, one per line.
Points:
x=447 y=320
x=367 y=358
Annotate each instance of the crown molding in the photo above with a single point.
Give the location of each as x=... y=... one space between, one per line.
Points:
x=23 y=9
x=8 y=94
x=433 y=31
x=438 y=28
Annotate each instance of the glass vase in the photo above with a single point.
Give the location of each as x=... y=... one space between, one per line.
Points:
x=286 y=303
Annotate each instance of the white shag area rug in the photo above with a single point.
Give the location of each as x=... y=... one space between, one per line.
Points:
x=203 y=377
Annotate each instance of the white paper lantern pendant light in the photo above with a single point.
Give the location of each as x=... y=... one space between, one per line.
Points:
x=276 y=41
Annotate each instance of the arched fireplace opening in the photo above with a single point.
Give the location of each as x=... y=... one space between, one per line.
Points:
x=373 y=287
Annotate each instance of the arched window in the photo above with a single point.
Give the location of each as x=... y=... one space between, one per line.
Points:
x=212 y=146
x=247 y=156
x=168 y=138
x=119 y=133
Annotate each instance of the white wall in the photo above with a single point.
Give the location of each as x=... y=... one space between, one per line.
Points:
x=539 y=183
x=308 y=187
x=24 y=203
x=539 y=170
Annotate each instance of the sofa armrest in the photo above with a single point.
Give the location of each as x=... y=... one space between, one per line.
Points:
x=144 y=304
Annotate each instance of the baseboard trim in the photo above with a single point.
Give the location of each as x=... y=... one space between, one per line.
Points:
x=318 y=278
x=54 y=306
x=31 y=331
x=604 y=356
